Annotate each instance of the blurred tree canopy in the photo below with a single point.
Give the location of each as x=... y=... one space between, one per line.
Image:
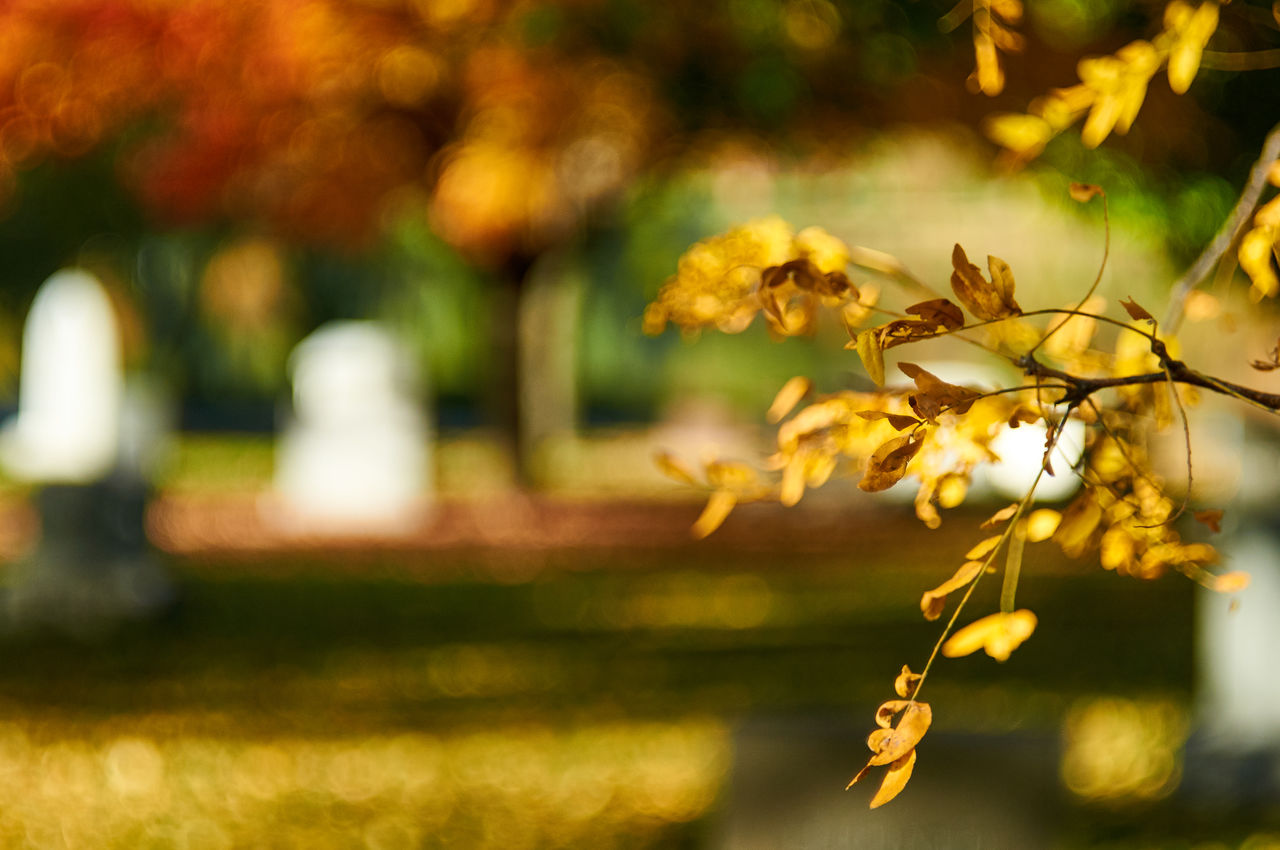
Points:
x=512 y=126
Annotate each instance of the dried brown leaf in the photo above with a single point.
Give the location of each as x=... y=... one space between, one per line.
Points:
x=935 y=395
x=940 y=311
x=985 y=299
x=1137 y=312
x=888 y=464
x=1084 y=192
x=900 y=421
x=1211 y=518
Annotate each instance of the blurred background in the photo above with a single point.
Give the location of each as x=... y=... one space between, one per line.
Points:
x=329 y=507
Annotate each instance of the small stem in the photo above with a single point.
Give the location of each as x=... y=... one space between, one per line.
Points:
x=1012 y=568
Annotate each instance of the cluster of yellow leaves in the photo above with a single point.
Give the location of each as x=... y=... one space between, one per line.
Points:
x=892 y=745
x=725 y=281
x=1260 y=246
x=1124 y=515
x=730 y=482
x=1112 y=88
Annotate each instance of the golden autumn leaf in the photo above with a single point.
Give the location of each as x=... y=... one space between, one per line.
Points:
x=998 y=634
x=888 y=464
x=1042 y=524
x=869 y=352
x=889 y=745
x=788 y=397
x=1255 y=255
x=933 y=601
x=1022 y=135
x=1000 y=516
x=717 y=510
x=1192 y=30
x=984 y=548
x=895 y=780
x=988 y=300
x=906 y=683
x=671 y=467
x=899 y=421
x=1137 y=312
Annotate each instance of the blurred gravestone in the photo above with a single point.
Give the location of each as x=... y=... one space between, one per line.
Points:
x=353 y=460
x=83 y=441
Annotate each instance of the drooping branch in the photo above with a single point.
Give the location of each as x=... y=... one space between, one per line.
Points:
x=1227 y=234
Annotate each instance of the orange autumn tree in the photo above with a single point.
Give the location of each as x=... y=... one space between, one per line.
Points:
x=512 y=126
x=1115 y=372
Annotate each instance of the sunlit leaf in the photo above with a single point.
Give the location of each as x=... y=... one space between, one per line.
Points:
x=1023 y=135
x=714 y=514
x=872 y=357
x=1042 y=524
x=888 y=464
x=902 y=739
x=998 y=634
x=906 y=683
x=984 y=548
x=670 y=466
x=981 y=297
x=895 y=780
x=1255 y=254
x=933 y=601
x=788 y=397
x=1000 y=516
x=900 y=421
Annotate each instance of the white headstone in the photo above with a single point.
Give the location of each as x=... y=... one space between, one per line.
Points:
x=67 y=426
x=354 y=457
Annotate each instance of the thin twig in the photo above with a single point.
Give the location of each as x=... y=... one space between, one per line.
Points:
x=1102 y=267
x=1227 y=234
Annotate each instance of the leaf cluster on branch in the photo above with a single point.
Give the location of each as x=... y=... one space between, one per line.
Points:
x=1110 y=386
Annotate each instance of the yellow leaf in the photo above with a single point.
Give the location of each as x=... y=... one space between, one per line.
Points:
x=1000 y=516
x=1042 y=524
x=933 y=601
x=1193 y=32
x=1273 y=172
x=989 y=74
x=1024 y=135
x=997 y=634
x=984 y=548
x=788 y=397
x=906 y=683
x=1255 y=258
x=903 y=738
x=715 y=513
x=1232 y=582
x=895 y=780
x=673 y=468
x=871 y=355
x=888 y=710
x=1078 y=523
